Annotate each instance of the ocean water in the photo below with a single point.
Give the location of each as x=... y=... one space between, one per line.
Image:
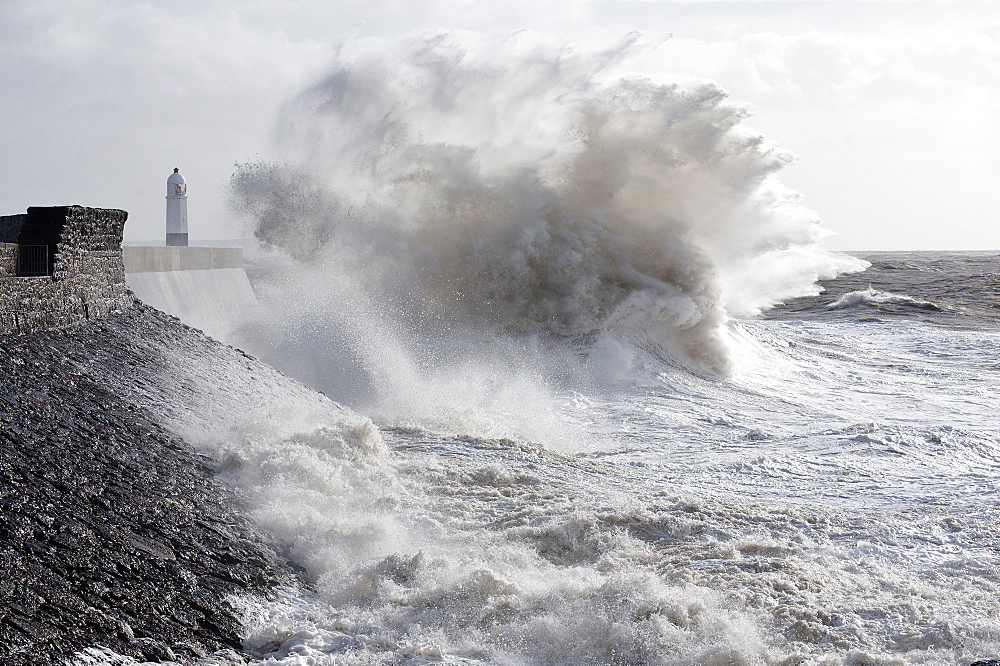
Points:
x=612 y=401
x=832 y=501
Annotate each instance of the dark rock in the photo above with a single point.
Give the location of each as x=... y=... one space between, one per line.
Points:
x=151 y=649
x=113 y=532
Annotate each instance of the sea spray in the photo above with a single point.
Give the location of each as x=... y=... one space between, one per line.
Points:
x=485 y=239
x=505 y=254
x=455 y=185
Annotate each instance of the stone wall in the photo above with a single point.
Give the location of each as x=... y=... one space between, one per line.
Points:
x=88 y=275
x=113 y=532
x=8 y=259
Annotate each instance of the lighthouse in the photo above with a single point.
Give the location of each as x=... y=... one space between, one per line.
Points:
x=177 y=209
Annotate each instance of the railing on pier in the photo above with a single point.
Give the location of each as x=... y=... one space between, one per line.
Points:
x=33 y=260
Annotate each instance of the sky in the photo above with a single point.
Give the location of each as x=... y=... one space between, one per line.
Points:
x=892 y=107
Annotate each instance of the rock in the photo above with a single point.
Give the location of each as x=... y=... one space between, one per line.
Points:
x=113 y=532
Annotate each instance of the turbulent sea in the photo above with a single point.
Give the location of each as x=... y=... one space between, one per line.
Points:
x=612 y=401
x=833 y=501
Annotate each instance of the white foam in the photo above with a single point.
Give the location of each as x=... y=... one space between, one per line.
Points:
x=797 y=512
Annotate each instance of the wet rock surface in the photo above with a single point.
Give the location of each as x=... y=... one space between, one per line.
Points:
x=113 y=531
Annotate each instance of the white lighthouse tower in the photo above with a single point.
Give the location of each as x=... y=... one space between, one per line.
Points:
x=177 y=209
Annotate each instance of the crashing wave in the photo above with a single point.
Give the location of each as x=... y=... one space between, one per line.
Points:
x=877 y=297
x=532 y=188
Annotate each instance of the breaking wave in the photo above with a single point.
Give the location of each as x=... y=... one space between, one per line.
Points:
x=877 y=297
x=455 y=190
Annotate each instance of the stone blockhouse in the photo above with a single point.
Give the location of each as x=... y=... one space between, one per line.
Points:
x=60 y=265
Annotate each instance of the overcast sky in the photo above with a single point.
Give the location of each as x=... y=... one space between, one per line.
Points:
x=891 y=106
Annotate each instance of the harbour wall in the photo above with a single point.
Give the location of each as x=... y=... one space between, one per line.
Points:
x=114 y=532
x=76 y=268
x=157 y=259
x=61 y=265
x=205 y=287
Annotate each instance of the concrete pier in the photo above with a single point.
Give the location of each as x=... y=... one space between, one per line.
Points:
x=205 y=287
x=155 y=259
